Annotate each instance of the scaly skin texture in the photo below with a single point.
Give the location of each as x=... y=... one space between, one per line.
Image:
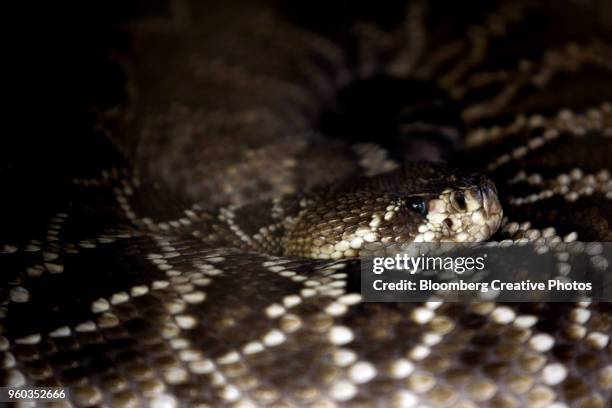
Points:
x=146 y=277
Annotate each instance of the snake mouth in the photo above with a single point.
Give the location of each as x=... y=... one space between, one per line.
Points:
x=466 y=214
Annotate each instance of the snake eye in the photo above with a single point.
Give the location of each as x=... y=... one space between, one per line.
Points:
x=458 y=201
x=417 y=204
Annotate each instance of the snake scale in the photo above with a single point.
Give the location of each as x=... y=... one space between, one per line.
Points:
x=195 y=250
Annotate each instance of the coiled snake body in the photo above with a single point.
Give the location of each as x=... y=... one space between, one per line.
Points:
x=208 y=264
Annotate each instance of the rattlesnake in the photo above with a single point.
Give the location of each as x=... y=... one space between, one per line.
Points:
x=156 y=267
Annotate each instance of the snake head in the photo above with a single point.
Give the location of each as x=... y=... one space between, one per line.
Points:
x=468 y=210
x=419 y=203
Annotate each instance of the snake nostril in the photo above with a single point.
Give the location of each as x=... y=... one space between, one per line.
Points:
x=490 y=201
